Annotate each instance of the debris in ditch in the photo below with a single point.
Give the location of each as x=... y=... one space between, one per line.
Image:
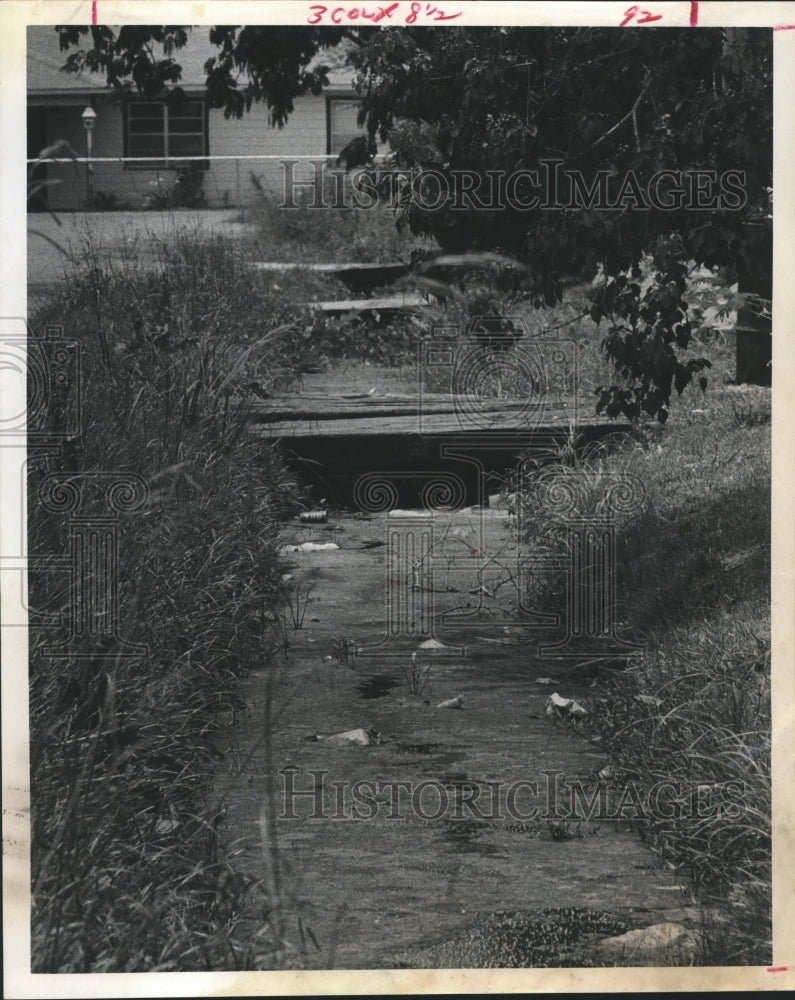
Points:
x=545 y=680
x=351 y=738
x=560 y=830
x=166 y=827
x=648 y=699
x=313 y=517
x=432 y=644
x=564 y=708
x=457 y=702
x=356 y=738
x=308 y=547
x=360 y=395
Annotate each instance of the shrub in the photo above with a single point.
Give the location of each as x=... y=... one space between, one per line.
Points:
x=105 y=201
x=186 y=191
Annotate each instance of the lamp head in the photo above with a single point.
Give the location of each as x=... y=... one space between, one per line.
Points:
x=89 y=116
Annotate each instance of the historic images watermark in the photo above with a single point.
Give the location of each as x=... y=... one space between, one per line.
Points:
x=92 y=501
x=551 y=188
x=316 y=795
x=49 y=368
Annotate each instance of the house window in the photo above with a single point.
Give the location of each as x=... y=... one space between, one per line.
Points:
x=165 y=132
x=341 y=123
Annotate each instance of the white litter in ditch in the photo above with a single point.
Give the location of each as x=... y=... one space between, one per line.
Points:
x=432 y=644
x=352 y=738
x=308 y=547
x=457 y=702
x=564 y=708
x=648 y=699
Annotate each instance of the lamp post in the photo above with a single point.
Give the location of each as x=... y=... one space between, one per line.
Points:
x=89 y=116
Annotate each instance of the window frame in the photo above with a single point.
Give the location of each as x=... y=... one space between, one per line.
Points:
x=166 y=161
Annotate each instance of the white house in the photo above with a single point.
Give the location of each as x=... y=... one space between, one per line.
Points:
x=157 y=135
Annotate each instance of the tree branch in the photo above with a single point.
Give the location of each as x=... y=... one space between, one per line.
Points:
x=631 y=114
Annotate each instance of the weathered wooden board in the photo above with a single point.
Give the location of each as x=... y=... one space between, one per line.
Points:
x=318 y=406
x=393 y=267
x=316 y=413
x=394 y=303
x=506 y=418
x=435 y=423
x=334 y=441
x=357 y=276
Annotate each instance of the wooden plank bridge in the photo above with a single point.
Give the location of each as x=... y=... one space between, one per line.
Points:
x=336 y=440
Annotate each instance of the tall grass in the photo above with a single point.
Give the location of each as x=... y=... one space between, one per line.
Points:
x=327 y=226
x=692 y=574
x=130 y=871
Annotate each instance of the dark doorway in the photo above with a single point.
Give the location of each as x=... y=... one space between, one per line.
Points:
x=37 y=141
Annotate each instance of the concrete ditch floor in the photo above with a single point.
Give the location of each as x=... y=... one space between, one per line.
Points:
x=411 y=878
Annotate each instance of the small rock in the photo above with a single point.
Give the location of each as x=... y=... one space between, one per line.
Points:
x=661 y=944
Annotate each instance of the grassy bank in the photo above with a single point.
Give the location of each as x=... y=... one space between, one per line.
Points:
x=692 y=587
x=128 y=869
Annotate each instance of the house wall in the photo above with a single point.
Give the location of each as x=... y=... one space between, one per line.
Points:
x=227 y=183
